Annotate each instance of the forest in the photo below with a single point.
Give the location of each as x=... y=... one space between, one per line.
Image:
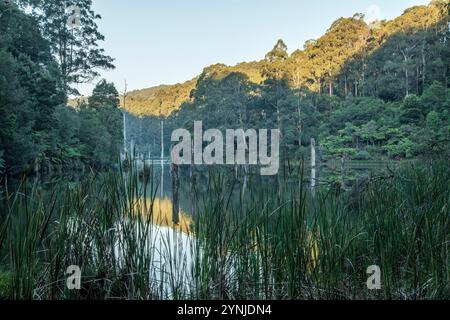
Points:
x=364 y=92
x=84 y=216
x=40 y=63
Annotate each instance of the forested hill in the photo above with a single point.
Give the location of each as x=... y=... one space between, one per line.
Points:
x=351 y=58
x=362 y=91
x=168 y=98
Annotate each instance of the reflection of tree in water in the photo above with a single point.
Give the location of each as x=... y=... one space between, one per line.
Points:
x=161 y=213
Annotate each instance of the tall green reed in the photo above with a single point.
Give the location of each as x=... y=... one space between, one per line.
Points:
x=247 y=242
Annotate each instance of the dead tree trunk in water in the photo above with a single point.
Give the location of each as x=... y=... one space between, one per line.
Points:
x=193 y=180
x=175 y=194
x=124 y=112
x=299 y=113
x=313 y=163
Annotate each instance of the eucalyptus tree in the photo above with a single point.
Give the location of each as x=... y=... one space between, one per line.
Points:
x=71 y=28
x=275 y=71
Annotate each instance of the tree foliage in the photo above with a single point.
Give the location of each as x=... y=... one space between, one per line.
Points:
x=76 y=48
x=37 y=130
x=364 y=91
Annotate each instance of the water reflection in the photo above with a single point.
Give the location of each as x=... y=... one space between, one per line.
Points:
x=169 y=250
x=162 y=211
x=315 y=175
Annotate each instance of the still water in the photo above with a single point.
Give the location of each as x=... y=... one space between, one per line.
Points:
x=175 y=244
x=330 y=175
x=172 y=250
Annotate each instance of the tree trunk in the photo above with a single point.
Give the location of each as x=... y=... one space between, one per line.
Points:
x=299 y=110
x=125 y=148
x=278 y=115
x=313 y=163
x=175 y=194
x=424 y=67
x=193 y=182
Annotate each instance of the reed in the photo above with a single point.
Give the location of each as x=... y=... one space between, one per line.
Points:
x=245 y=242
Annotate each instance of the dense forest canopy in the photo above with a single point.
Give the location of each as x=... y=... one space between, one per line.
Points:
x=40 y=61
x=365 y=91
x=351 y=58
x=166 y=99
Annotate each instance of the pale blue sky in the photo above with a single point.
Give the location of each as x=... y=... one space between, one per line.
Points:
x=171 y=41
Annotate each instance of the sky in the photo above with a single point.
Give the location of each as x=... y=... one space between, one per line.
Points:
x=172 y=41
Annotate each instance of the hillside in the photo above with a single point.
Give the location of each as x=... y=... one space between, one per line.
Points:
x=169 y=98
x=158 y=100
x=361 y=91
x=322 y=65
